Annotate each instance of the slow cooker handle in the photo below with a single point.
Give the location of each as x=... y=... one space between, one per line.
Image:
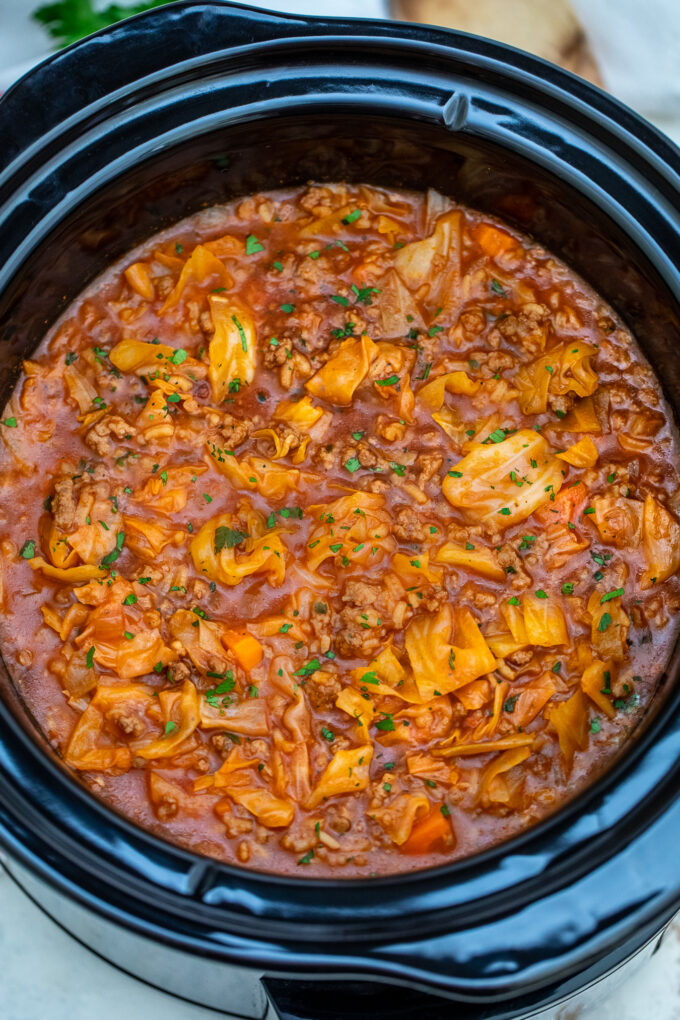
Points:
x=123 y=55
x=309 y=999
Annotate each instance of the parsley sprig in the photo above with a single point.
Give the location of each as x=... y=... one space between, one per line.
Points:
x=70 y=20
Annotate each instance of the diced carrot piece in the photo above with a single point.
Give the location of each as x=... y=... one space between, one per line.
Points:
x=493 y=241
x=246 y=649
x=433 y=833
x=564 y=507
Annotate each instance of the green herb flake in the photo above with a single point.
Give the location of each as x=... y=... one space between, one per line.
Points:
x=308 y=669
x=113 y=556
x=27 y=551
x=253 y=246
x=611 y=595
x=228 y=537
x=241 y=333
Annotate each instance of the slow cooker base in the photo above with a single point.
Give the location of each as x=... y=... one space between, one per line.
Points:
x=253 y=995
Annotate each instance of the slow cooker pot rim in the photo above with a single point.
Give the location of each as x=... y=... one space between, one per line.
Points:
x=469 y=43
x=582 y=95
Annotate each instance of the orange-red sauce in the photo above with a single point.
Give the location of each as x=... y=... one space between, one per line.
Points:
x=338 y=532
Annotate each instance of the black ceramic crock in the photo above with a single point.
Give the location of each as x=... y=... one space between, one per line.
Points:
x=190 y=105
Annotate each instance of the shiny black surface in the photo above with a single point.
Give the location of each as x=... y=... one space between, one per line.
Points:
x=233 y=101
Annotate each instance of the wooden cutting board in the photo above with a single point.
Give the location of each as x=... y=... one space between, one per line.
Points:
x=548 y=28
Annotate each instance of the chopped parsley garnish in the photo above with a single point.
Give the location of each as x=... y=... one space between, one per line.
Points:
x=391 y=380
x=89 y=658
x=386 y=724
x=327 y=734
x=27 y=551
x=113 y=556
x=611 y=595
x=308 y=669
x=129 y=600
x=567 y=588
x=287 y=308
x=605 y=620
x=363 y=294
x=352 y=217
x=228 y=537
x=497 y=289
x=352 y=465
x=253 y=245
x=241 y=333
x=370 y=678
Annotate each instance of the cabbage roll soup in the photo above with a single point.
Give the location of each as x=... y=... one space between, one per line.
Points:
x=338 y=533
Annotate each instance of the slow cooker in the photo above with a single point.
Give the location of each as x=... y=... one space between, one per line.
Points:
x=190 y=105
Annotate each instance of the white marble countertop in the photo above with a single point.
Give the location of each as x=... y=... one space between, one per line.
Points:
x=47 y=975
